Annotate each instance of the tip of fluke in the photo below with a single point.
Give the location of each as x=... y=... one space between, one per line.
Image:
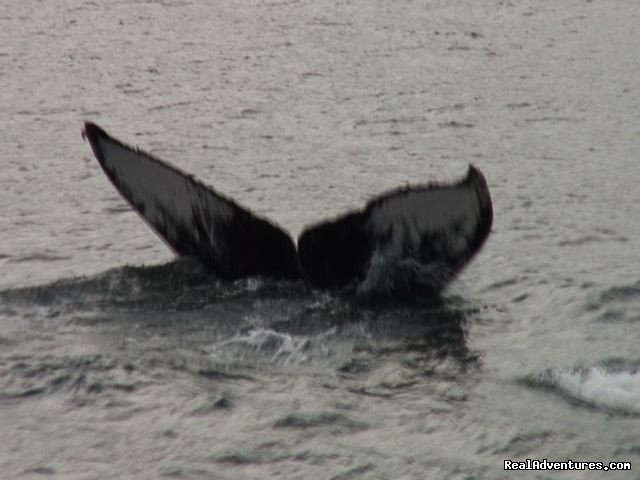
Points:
x=90 y=130
x=475 y=175
x=473 y=170
x=92 y=133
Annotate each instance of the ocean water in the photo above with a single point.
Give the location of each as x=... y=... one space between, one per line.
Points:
x=116 y=361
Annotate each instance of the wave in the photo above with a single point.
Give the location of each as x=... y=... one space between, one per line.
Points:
x=612 y=386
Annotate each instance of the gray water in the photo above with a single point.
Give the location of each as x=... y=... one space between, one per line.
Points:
x=116 y=362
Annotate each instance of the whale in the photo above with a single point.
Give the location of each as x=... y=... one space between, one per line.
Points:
x=420 y=236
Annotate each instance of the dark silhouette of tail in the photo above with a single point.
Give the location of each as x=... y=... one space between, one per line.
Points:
x=424 y=233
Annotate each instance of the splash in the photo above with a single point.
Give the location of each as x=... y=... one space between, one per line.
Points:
x=278 y=347
x=606 y=387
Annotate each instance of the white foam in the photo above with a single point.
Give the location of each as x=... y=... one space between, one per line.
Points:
x=617 y=391
x=280 y=348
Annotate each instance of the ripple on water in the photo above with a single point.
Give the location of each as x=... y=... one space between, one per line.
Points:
x=621 y=293
x=336 y=422
x=82 y=380
x=620 y=303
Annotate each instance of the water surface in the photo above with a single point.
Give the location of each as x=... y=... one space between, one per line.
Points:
x=117 y=363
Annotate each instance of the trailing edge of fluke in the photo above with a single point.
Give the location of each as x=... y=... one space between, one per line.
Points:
x=426 y=232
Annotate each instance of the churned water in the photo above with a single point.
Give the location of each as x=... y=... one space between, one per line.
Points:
x=116 y=362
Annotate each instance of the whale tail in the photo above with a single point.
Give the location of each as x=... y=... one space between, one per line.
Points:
x=423 y=234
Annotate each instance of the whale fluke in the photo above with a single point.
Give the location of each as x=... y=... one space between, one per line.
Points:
x=192 y=218
x=424 y=233
x=429 y=232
